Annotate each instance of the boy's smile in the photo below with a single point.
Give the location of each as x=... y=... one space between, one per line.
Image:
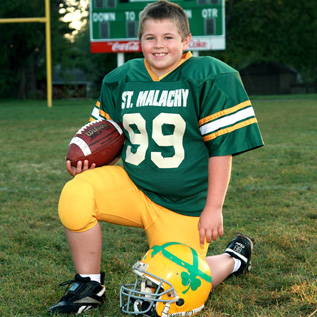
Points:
x=162 y=45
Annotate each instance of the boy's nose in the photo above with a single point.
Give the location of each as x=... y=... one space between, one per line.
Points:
x=159 y=43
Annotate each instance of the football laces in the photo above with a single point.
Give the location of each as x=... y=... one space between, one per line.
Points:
x=80 y=131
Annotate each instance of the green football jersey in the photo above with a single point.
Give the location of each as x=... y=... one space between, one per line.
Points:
x=172 y=126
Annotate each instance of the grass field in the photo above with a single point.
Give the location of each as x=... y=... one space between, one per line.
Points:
x=272 y=197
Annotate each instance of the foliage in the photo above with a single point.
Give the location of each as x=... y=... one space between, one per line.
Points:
x=273 y=31
x=23 y=46
x=272 y=197
x=19 y=50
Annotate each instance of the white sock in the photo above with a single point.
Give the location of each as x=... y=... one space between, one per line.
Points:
x=237 y=263
x=93 y=277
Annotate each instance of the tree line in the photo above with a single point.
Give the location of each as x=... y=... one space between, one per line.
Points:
x=282 y=31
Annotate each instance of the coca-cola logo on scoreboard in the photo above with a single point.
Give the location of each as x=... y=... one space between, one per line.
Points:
x=131 y=46
x=198 y=44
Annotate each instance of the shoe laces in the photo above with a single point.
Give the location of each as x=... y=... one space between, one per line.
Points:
x=69 y=283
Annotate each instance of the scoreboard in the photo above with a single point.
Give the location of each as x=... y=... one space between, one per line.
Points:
x=114 y=24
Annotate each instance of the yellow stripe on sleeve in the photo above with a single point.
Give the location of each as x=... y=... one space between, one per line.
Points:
x=230 y=129
x=225 y=112
x=104 y=114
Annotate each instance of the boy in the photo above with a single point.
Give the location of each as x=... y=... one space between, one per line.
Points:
x=184 y=118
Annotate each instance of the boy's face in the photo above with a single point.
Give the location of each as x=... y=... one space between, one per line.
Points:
x=162 y=45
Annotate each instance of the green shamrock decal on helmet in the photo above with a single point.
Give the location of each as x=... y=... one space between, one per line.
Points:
x=192 y=281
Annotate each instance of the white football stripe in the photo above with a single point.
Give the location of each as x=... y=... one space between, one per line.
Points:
x=226 y=121
x=81 y=144
x=117 y=126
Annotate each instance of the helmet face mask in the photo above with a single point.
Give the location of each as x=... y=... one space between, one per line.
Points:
x=171 y=280
x=145 y=293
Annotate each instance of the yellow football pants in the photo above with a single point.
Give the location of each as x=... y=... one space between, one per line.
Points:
x=108 y=194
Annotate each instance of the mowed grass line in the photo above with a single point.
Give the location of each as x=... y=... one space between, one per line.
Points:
x=272 y=197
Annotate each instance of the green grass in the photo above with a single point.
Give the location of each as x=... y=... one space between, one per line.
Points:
x=272 y=197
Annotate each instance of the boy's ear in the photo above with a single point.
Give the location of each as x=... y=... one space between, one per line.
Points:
x=186 y=42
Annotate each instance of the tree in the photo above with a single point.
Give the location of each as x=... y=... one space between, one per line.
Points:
x=272 y=31
x=23 y=46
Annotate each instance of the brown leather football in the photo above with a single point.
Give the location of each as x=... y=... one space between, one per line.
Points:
x=98 y=142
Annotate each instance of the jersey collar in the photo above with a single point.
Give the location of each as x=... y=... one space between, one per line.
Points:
x=154 y=77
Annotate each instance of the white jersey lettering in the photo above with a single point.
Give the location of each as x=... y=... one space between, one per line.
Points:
x=161 y=98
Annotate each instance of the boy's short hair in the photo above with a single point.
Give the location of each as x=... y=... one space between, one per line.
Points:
x=161 y=10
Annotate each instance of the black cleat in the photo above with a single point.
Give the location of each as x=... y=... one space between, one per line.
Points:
x=82 y=295
x=241 y=248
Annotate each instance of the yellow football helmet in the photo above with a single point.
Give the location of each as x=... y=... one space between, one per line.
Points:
x=171 y=280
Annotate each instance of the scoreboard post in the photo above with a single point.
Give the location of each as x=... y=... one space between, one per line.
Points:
x=114 y=24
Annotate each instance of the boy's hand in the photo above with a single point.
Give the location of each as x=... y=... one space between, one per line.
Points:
x=72 y=170
x=210 y=225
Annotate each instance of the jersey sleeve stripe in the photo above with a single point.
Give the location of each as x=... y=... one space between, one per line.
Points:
x=97 y=113
x=103 y=114
x=94 y=114
x=230 y=129
x=225 y=112
x=227 y=121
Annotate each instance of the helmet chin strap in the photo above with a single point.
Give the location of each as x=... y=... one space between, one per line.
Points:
x=136 y=305
x=166 y=309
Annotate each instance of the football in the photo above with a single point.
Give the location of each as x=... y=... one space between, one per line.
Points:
x=98 y=142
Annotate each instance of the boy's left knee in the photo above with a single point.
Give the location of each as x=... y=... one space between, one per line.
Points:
x=76 y=206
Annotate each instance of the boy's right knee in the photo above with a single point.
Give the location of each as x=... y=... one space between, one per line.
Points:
x=76 y=206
